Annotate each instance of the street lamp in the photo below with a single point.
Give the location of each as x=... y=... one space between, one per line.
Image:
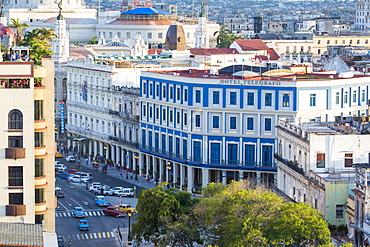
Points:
x=136 y=156
x=105 y=152
x=129 y=214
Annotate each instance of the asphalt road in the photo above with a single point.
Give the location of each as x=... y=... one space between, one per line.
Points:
x=103 y=228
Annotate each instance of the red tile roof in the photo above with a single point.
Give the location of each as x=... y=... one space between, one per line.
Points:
x=148 y=22
x=214 y=51
x=78 y=51
x=251 y=44
x=155 y=52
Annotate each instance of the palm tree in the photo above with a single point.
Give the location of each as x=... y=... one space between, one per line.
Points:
x=221 y=34
x=18 y=29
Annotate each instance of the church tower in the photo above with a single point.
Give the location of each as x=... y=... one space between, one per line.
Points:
x=61 y=42
x=201 y=33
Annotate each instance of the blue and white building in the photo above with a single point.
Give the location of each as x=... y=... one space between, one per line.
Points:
x=197 y=129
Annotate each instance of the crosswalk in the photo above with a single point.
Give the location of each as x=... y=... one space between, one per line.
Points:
x=91 y=235
x=87 y=213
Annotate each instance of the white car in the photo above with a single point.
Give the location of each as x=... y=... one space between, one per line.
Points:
x=126 y=192
x=113 y=191
x=60 y=167
x=77 y=179
x=70 y=159
x=85 y=174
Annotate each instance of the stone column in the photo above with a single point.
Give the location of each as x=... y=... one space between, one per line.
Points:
x=190 y=179
x=223 y=177
x=205 y=176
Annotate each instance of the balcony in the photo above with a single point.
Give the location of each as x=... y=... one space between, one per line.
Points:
x=40 y=152
x=15 y=153
x=15 y=210
x=39 y=93
x=15 y=83
x=124 y=142
x=40 y=182
x=289 y=164
x=40 y=208
x=40 y=125
x=112 y=112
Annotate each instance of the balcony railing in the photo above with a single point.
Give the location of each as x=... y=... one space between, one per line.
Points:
x=15 y=153
x=15 y=83
x=124 y=142
x=289 y=164
x=176 y=155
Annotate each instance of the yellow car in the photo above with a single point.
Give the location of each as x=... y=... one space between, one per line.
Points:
x=58 y=155
x=126 y=208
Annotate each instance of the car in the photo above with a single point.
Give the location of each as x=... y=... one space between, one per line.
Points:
x=78 y=212
x=65 y=175
x=114 y=211
x=94 y=188
x=113 y=191
x=85 y=174
x=126 y=192
x=60 y=167
x=70 y=158
x=102 y=190
x=77 y=179
x=60 y=241
x=58 y=155
x=125 y=208
x=100 y=201
x=84 y=225
x=72 y=171
x=59 y=192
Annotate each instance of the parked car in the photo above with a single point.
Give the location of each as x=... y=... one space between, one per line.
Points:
x=72 y=171
x=84 y=225
x=85 y=174
x=126 y=192
x=60 y=241
x=101 y=190
x=100 y=201
x=59 y=192
x=65 y=175
x=78 y=212
x=126 y=208
x=60 y=167
x=70 y=158
x=113 y=191
x=114 y=211
x=77 y=179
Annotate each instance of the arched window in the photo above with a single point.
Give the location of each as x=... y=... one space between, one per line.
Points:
x=15 y=120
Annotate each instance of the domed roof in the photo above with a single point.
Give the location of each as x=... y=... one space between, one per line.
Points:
x=4 y=30
x=175 y=38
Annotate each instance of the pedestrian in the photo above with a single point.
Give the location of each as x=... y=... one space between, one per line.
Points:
x=87 y=185
x=126 y=175
x=131 y=177
x=120 y=174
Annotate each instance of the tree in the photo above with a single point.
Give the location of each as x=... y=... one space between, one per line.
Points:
x=93 y=40
x=18 y=29
x=158 y=210
x=39 y=40
x=221 y=34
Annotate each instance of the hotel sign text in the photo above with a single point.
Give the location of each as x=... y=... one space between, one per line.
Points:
x=251 y=82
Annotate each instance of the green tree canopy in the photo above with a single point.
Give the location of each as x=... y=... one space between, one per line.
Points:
x=225 y=38
x=39 y=40
x=15 y=24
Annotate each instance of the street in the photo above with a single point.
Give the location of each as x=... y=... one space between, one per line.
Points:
x=102 y=228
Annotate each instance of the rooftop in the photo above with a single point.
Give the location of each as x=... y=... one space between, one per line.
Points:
x=20 y=234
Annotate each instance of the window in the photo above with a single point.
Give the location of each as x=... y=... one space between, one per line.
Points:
x=171 y=116
x=215 y=153
x=178 y=94
x=185 y=149
x=268 y=124
x=144 y=110
x=216 y=97
x=150 y=89
x=197 y=96
x=250 y=123
x=363 y=95
x=178 y=117
x=177 y=146
x=149 y=35
x=157 y=90
x=268 y=99
x=160 y=35
x=354 y=96
x=233 y=123
x=143 y=137
x=185 y=119
x=15 y=141
x=39 y=195
x=197 y=151
x=164 y=92
x=337 y=98
x=185 y=95
x=128 y=35
x=171 y=92
x=170 y=144
x=197 y=120
x=157 y=113
x=39 y=110
x=267 y=155
x=164 y=114
x=312 y=99
x=39 y=139
x=156 y=140
x=250 y=99
x=15 y=176
x=216 y=122
x=150 y=139
x=285 y=100
x=348 y=160
x=345 y=97
x=15 y=198
x=232 y=98
x=39 y=167
x=320 y=163
x=15 y=120
x=250 y=151
x=339 y=211
x=163 y=143
x=232 y=154
x=150 y=112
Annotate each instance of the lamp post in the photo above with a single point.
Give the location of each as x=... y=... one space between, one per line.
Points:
x=129 y=214
x=79 y=156
x=169 y=168
x=136 y=156
x=105 y=152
